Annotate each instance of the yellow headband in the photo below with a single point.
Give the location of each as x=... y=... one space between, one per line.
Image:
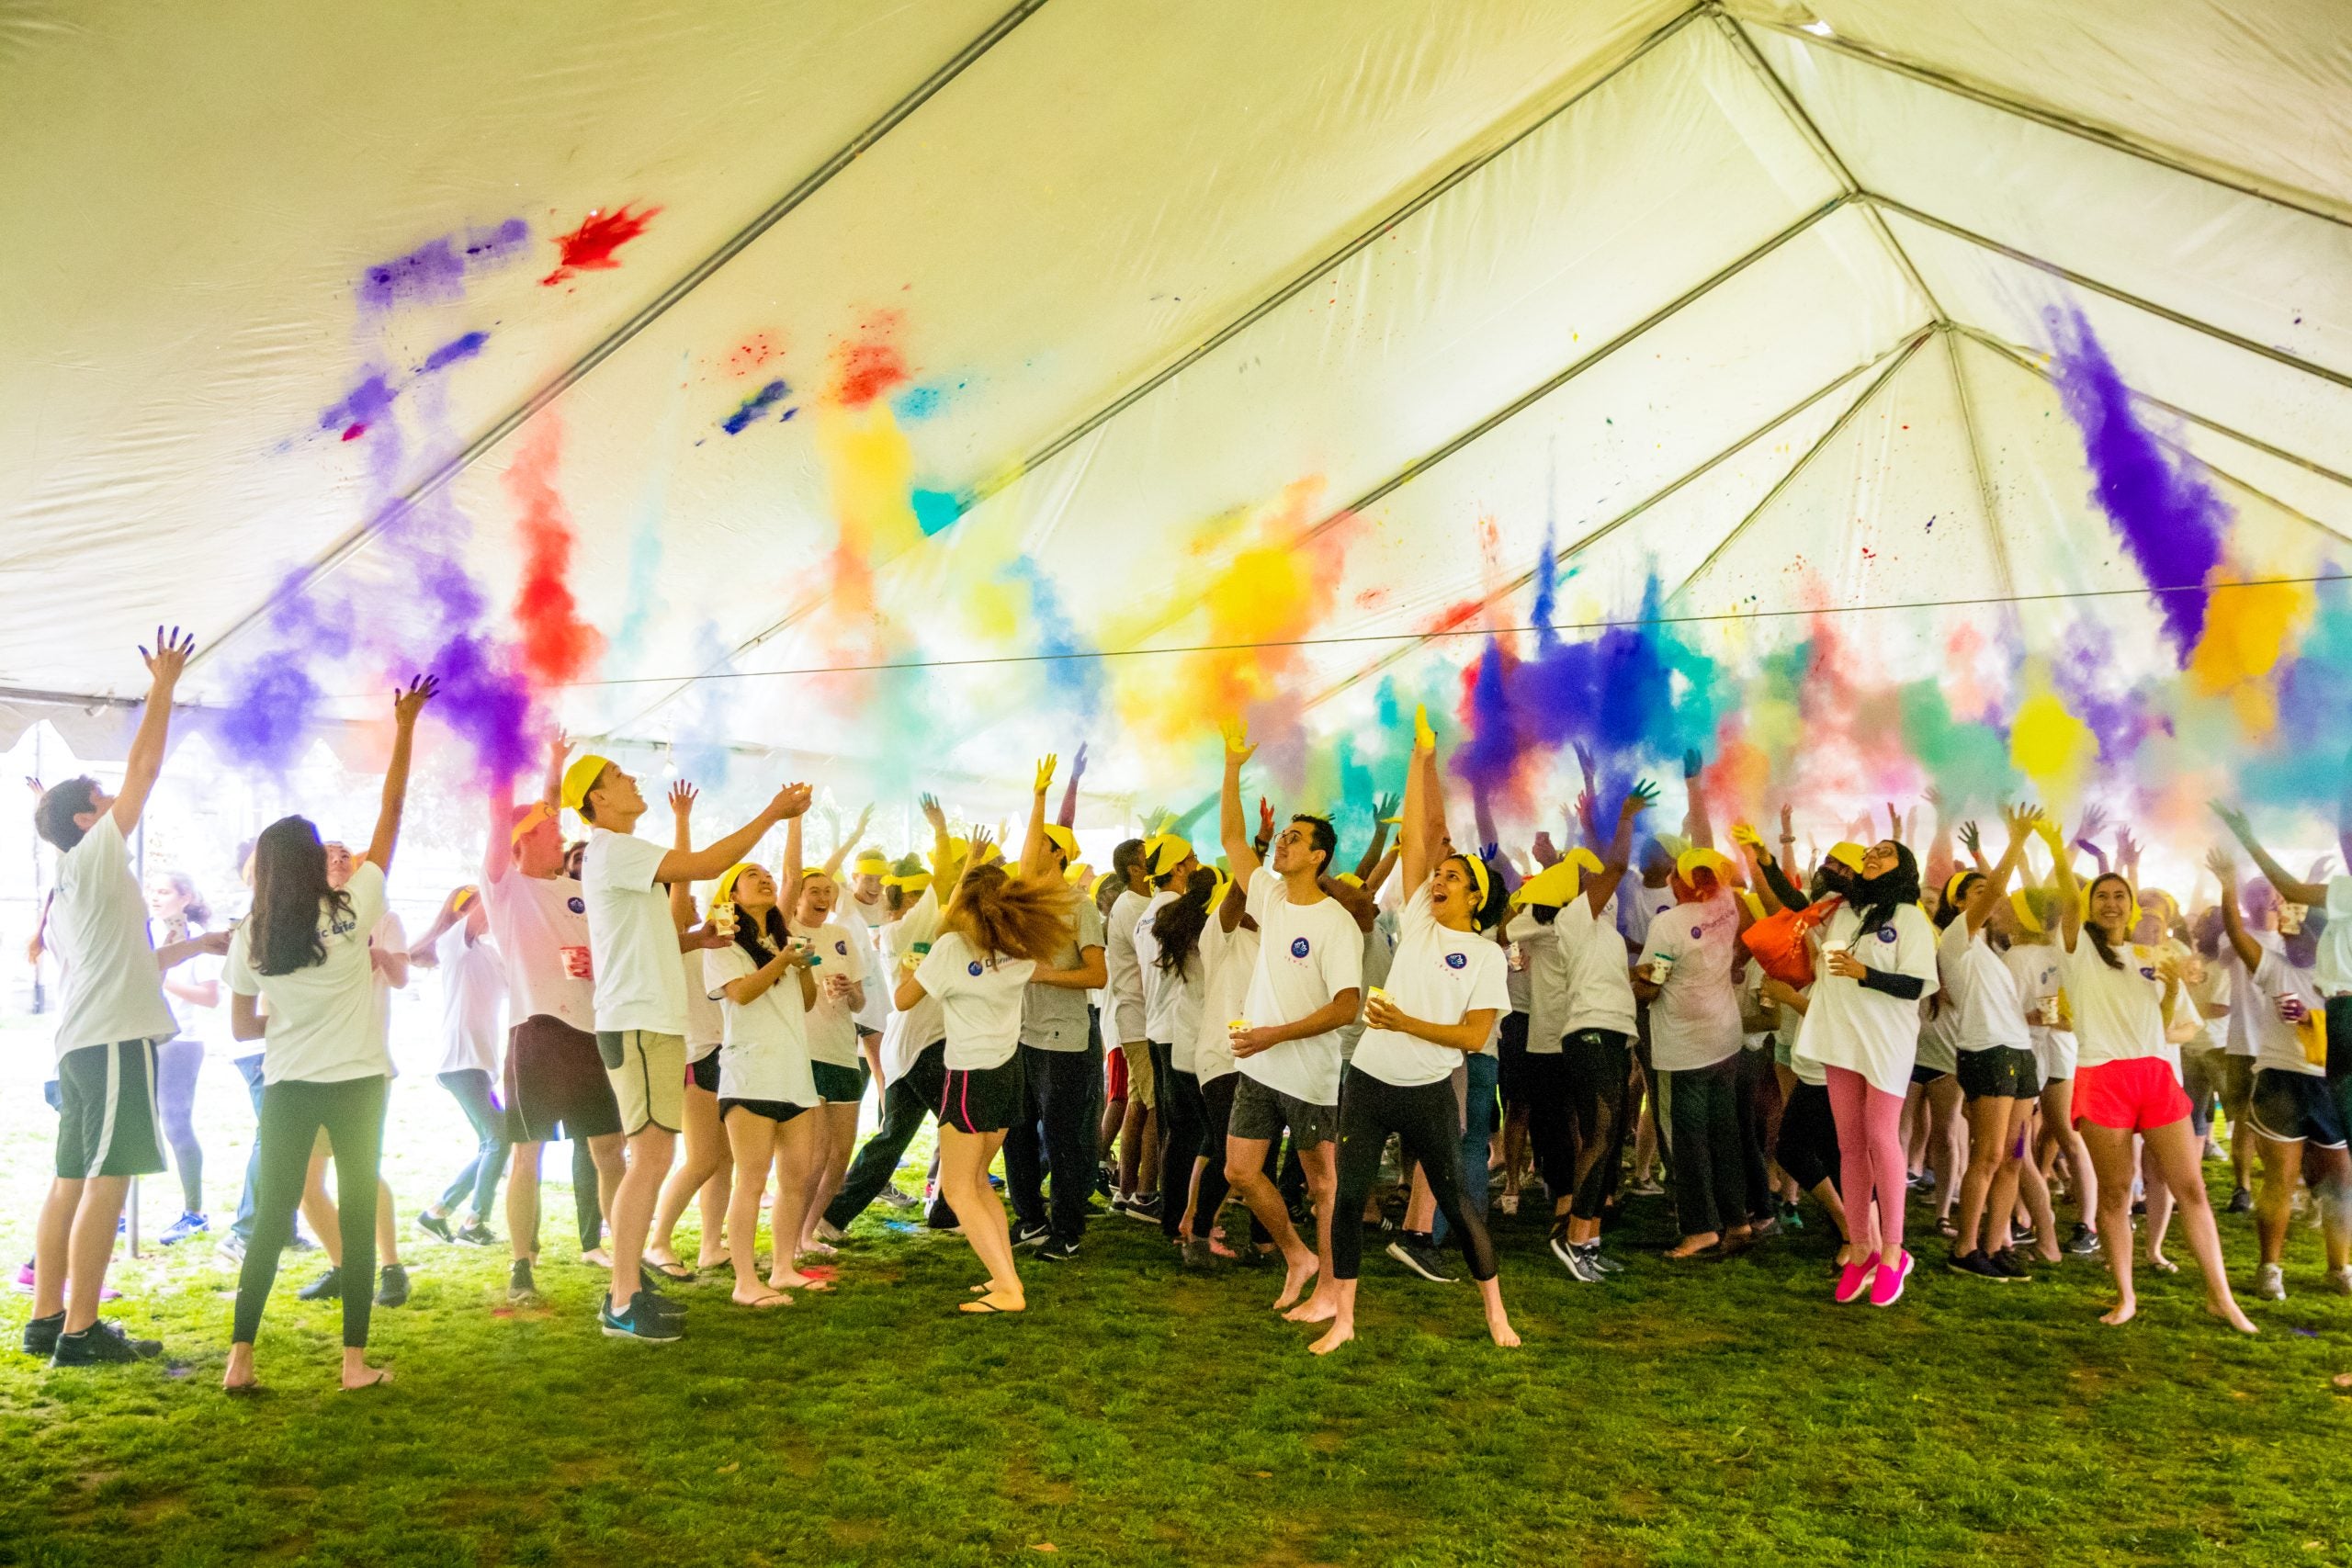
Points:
x=724 y=893
x=540 y=811
x=873 y=863
x=465 y=896
x=1163 y=852
x=2022 y=906
x=1351 y=878
x=1952 y=884
x=1848 y=855
x=580 y=777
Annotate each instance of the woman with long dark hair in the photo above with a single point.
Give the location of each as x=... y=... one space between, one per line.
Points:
x=1169 y=941
x=325 y=1065
x=1875 y=958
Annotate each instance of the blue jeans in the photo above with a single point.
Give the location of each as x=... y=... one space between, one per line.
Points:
x=242 y=1227
x=477 y=1184
x=1477 y=1138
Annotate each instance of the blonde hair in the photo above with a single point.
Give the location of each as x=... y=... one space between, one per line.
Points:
x=1010 y=917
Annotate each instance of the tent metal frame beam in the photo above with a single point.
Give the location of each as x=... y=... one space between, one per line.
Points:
x=1567 y=554
x=564 y=380
x=2308 y=203
x=1256 y=311
x=1796 y=469
x=1996 y=539
x=2121 y=296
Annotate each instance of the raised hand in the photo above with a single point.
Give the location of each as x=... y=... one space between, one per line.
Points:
x=1640 y=798
x=1046 y=767
x=791 y=801
x=1788 y=823
x=1078 y=763
x=170 y=658
x=1935 y=799
x=1893 y=823
x=1545 y=855
x=2094 y=818
x=1742 y=834
x=1384 y=807
x=2127 y=850
x=2023 y=817
x=1588 y=767
x=407 y=702
x=1424 y=737
x=1265 y=817
x=982 y=838
x=1691 y=764
x=933 y=814
x=865 y=817
x=1237 y=749
x=1972 y=837
x=682 y=796
x=2219 y=862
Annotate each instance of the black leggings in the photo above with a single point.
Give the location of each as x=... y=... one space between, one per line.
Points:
x=1700 y=1118
x=1185 y=1120
x=352 y=1111
x=1597 y=1067
x=177 y=1064
x=1808 y=1145
x=1429 y=1124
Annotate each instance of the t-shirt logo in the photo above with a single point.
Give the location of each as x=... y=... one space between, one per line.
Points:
x=1697 y=931
x=576 y=904
x=1887 y=933
x=1298 y=948
x=1457 y=961
x=973 y=969
x=841 y=948
x=2147 y=972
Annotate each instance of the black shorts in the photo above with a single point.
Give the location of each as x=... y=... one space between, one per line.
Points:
x=2001 y=1072
x=776 y=1111
x=837 y=1085
x=983 y=1100
x=555 y=1084
x=105 y=1112
x=704 y=1073
x=1511 y=1054
x=2288 y=1106
x=1922 y=1073
x=1261 y=1112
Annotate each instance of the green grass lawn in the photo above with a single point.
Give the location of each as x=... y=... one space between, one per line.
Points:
x=1707 y=1415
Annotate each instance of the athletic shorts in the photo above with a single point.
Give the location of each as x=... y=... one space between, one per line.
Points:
x=837 y=1085
x=1259 y=1111
x=2002 y=1072
x=1114 y=1079
x=648 y=1073
x=554 y=1084
x=776 y=1111
x=2133 y=1095
x=703 y=1074
x=1510 y=1056
x=982 y=1099
x=2288 y=1106
x=1139 y=1084
x=2237 y=1084
x=106 y=1122
x=1922 y=1073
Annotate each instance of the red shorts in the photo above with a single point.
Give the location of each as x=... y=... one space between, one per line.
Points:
x=2131 y=1095
x=1116 y=1086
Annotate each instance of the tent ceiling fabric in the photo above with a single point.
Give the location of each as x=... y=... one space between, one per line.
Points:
x=1692 y=294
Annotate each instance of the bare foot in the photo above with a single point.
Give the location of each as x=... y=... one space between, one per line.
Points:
x=2228 y=1312
x=597 y=1258
x=995 y=1302
x=1504 y=1334
x=1323 y=1306
x=1217 y=1247
x=705 y=1265
x=1694 y=1244
x=1333 y=1337
x=239 y=1378
x=2161 y=1264
x=799 y=1282
x=759 y=1299
x=820 y=1248
x=2122 y=1314
x=1295 y=1279
x=355 y=1379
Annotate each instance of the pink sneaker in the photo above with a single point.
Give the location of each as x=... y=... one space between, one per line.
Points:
x=1887 y=1289
x=1855 y=1279
x=25 y=1277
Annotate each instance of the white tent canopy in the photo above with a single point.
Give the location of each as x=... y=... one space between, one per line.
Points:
x=1747 y=297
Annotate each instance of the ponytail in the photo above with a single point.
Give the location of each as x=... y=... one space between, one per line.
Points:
x=1178 y=925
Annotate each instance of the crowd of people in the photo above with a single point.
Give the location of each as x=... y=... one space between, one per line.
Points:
x=2020 y=1035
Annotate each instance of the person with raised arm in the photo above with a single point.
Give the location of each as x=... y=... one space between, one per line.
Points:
x=2295 y=1117
x=304 y=951
x=1307 y=984
x=705 y=1176
x=1138 y=1143
x=112 y=1017
x=641 y=1003
x=1449 y=991
x=840 y=959
x=2121 y=996
x=473 y=998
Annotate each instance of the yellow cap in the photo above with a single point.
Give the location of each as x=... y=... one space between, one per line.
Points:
x=1584 y=857
x=1556 y=886
x=1095 y=891
x=724 y=893
x=580 y=777
x=538 y=811
x=1079 y=873
x=873 y=863
x=1063 y=839
x=1163 y=852
x=1848 y=855
x=1692 y=860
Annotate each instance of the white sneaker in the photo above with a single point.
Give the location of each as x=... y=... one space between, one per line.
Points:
x=2270 y=1282
x=828 y=1231
x=2340 y=1280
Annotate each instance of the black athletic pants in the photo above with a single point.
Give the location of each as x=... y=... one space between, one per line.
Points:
x=352 y=1111
x=1056 y=1133
x=1756 y=1080
x=1699 y=1115
x=1184 y=1133
x=904 y=1105
x=1217 y=1107
x=1428 y=1122
x=1598 y=1066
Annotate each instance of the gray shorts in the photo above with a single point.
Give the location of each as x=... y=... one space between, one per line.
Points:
x=1262 y=1113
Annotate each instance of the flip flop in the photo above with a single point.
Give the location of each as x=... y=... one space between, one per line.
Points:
x=674 y=1271
x=776 y=1298
x=985 y=1307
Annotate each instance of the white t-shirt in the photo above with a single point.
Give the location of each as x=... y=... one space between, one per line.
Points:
x=2213 y=989
x=533 y=919
x=862 y=921
x=2118 y=1012
x=208 y=1026
x=1171 y=1002
x=389 y=937
x=2333 y=971
x=1865 y=1031
x=1599 y=986
x=1308 y=954
x=1548 y=979
x=473 y=1002
x=1232 y=960
x=2035 y=967
x=705 y=1018
x=1991 y=1006
x=98 y=927
x=833 y=1026
x=1637 y=905
x=1694 y=1019
x=906 y=1035
x=323 y=1025
x=639 y=984
x=2278 y=1045
x=765 y=1056
x=981 y=997
x=2246 y=1001
x=1439 y=975
x=1379 y=953
x=1126 y=1007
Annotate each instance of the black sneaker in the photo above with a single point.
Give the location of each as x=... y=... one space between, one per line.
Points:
x=1031 y=1235
x=2010 y=1265
x=2084 y=1242
x=100 y=1343
x=1416 y=1254
x=325 y=1287
x=1976 y=1266
x=641 y=1321
x=391 y=1286
x=1144 y=1209
x=435 y=1226
x=1055 y=1251
x=521 y=1289
x=2240 y=1201
x=477 y=1234
x=40 y=1335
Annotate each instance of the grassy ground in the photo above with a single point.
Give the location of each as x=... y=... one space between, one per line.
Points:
x=1724 y=1413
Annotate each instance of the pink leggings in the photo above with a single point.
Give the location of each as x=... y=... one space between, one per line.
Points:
x=1872 y=1167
